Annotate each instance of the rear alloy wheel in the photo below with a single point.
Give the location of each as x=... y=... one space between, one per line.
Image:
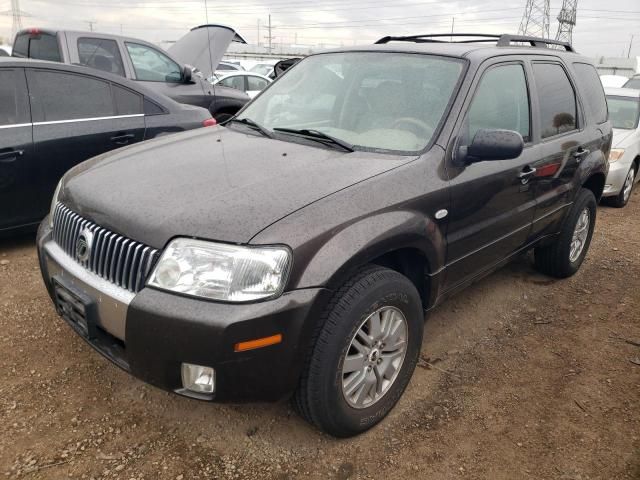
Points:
x=623 y=197
x=364 y=352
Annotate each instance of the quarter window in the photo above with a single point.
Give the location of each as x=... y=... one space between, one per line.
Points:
x=153 y=66
x=591 y=89
x=101 y=54
x=65 y=96
x=501 y=102
x=558 y=108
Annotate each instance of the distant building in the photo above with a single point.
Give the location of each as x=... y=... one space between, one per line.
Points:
x=626 y=67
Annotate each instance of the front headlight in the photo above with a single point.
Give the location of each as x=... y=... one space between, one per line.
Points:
x=54 y=202
x=219 y=271
x=615 y=154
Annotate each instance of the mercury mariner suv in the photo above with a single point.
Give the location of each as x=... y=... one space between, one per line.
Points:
x=295 y=250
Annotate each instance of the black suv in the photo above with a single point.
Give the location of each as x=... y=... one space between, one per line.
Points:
x=297 y=249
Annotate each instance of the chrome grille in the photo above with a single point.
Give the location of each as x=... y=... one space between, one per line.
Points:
x=115 y=258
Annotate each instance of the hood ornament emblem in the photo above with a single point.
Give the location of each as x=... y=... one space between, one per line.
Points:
x=83 y=245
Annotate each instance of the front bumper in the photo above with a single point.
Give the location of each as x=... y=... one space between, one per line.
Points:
x=616 y=177
x=151 y=333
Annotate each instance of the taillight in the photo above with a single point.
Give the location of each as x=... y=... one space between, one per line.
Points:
x=209 y=122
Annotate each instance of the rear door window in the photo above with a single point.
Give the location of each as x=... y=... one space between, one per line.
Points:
x=591 y=90
x=44 y=46
x=558 y=106
x=256 y=83
x=13 y=98
x=235 y=81
x=21 y=46
x=101 y=54
x=127 y=102
x=66 y=96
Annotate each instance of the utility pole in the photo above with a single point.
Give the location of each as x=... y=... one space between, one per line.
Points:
x=270 y=37
x=16 y=15
x=630 y=45
x=453 y=22
x=91 y=23
x=258 y=32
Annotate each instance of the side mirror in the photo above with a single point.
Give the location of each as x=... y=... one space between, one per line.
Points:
x=187 y=74
x=490 y=145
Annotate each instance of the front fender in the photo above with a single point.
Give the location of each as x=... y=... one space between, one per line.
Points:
x=366 y=239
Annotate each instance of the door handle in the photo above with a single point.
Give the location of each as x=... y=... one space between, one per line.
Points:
x=527 y=172
x=12 y=156
x=581 y=152
x=123 y=139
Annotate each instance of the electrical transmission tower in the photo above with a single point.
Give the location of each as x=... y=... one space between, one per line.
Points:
x=535 y=21
x=17 y=15
x=567 y=20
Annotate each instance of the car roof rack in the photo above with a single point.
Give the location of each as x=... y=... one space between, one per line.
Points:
x=501 y=40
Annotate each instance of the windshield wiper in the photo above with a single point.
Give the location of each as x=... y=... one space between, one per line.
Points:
x=254 y=125
x=319 y=136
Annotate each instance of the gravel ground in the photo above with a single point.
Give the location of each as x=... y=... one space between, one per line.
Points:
x=521 y=377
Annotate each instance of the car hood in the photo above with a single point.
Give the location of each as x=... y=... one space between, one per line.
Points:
x=620 y=135
x=211 y=183
x=204 y=46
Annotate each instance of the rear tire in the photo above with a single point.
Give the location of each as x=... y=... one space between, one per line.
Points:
x=563 y=258
x=621 y=200
x=347 y=388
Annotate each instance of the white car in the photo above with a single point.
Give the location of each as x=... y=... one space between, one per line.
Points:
x=624 y=159
x=613 y=81
x=250 y=83
x=5 y=51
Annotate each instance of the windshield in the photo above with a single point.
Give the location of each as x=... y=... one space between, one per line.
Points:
x=372 y=100
x=624 y=112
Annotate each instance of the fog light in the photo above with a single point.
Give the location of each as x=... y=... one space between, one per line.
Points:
x=198 y=379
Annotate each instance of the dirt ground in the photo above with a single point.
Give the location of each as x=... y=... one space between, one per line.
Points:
x=522 y=377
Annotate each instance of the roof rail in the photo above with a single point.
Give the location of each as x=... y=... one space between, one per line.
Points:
x=502 y=40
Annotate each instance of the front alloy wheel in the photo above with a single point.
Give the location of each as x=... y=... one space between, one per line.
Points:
x=375 y=357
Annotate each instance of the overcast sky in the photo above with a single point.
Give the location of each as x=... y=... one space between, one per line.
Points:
x=603 y=28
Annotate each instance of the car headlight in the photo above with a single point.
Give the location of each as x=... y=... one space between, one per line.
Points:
x=223 y=272
x=54 y=202
x=615 y=154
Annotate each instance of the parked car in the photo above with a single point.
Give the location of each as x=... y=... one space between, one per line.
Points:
x=298 y=248
x=5 y=51
x=624 y=112
x=228 y=67
x=265 y=69
x=615 y=81
x=250 y=83
x=633 y=82
x=168 y=73
x=54 y=116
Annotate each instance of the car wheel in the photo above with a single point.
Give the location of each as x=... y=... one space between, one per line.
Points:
x=623 y=197
x=364 y=353
x=563 y=258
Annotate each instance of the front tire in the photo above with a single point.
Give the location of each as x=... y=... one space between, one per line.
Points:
x=364 y=353
x=563 y=258
x=621 y=200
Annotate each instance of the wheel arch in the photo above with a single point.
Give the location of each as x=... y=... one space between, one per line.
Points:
x=595 y=183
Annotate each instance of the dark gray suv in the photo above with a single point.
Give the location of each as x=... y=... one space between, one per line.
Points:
x=297 y=249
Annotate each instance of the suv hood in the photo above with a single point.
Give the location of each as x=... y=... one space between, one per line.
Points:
x=211 y=183
x=204 y=46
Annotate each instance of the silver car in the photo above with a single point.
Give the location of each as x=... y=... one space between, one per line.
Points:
x=624 y=159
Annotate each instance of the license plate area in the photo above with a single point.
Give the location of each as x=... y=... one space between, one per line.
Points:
x=75 y=307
